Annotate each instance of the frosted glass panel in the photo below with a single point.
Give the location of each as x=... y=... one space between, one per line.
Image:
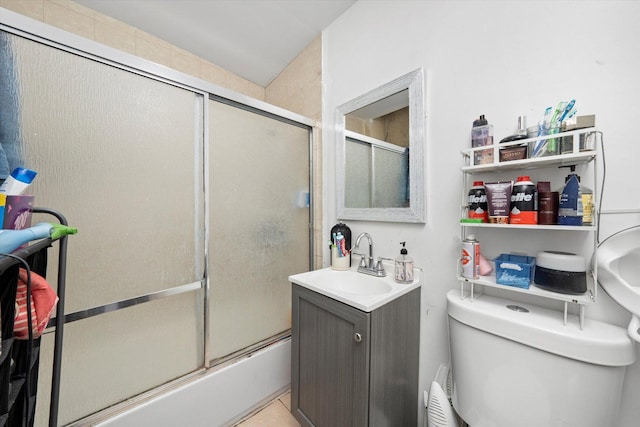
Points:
x=358 y=174
x=112 y=357
x=391 y=187
x=259 y=167
x=119 y=155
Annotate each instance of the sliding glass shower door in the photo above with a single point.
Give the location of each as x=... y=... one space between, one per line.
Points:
x=259 y=223
x=170 y=191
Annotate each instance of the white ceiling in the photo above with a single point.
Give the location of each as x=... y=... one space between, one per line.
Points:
x=255 y=39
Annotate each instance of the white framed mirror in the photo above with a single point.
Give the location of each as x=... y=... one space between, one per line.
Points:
x=380 y=153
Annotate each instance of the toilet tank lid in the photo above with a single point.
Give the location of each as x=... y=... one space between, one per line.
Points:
x=598 y=343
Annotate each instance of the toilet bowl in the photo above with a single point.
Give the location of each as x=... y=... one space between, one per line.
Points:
x=619 y=273
x=516 y=364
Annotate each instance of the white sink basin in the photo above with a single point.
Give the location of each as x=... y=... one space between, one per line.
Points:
x=619 y=273
x=358 y=290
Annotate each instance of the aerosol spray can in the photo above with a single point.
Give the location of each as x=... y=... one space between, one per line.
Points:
x=524 y=202
x=470 y=257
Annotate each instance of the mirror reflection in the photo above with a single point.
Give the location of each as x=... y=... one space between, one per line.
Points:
x=379 y=175
x=377 y=150
x=380 y=164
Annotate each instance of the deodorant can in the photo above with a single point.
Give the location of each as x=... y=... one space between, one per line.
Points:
x=478 y=202
x=524 y=202
x=470 y=257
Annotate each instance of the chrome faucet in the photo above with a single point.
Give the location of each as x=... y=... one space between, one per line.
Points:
x=367 y=266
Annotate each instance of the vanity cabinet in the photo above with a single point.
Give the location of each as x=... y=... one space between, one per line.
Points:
x=581 y=151
x=353 y=368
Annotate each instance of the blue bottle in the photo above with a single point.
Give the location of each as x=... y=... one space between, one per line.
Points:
x=570 y=205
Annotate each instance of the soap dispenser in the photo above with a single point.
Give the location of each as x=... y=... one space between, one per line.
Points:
x=404 y=266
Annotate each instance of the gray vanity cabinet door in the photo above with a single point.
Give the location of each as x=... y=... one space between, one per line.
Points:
x=330 y=360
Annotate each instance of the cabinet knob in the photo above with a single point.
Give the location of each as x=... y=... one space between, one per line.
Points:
x=357 y=337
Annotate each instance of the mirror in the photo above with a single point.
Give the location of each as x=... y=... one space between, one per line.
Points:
x=380 y=146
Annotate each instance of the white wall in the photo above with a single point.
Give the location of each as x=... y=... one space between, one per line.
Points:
x=501 y=59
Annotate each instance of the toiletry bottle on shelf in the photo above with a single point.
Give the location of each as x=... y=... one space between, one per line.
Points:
x=570 y=204
x=477 y=202
x=481 y=135
x=587 y=205
x=521 y=132
x=17 y=182
x=524 y=202
x=404 y=266
x=470 y=257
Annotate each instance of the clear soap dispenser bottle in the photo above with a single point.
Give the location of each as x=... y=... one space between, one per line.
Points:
x=404 y=266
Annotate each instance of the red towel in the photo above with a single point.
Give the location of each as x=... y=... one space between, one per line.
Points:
x=43 y=300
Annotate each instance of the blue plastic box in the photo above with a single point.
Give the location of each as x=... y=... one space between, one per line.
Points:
x=515 y=270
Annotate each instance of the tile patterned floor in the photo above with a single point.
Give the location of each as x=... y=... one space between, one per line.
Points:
x=274 y=414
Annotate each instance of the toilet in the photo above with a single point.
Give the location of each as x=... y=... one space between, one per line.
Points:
x=619 y=273
x=517 y=364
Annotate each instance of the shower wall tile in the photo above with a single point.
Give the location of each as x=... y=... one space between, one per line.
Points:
x=153 y=49
x=299 y=86
x=185 y=62
x=213 y=73
x=70 y=17
x=33 y=9
x=237 y=83
x=114 y=33
x=255 y=90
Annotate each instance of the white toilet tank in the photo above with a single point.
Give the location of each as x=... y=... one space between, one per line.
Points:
x=519 y=365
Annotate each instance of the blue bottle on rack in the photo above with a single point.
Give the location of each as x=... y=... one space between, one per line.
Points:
x=570 y=204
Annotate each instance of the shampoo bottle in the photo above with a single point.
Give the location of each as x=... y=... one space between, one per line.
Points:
x=404 y=266
x=570 y=204
x=17 y=182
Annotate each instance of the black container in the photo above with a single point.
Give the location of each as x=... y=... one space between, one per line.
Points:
x=564 y=282
x=561 y=272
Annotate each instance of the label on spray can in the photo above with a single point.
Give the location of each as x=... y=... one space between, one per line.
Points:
x=524 y=202
x=470 y=258
x=477 y=207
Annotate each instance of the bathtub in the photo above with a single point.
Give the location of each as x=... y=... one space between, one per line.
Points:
x=219 y=398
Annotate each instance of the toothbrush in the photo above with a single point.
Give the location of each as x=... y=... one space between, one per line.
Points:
x=554 y=118
x=566 y=111
x=541 y=128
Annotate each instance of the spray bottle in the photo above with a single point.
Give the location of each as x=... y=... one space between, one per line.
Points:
x=570 y=205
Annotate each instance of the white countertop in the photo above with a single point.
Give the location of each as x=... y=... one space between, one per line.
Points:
x=358 y=290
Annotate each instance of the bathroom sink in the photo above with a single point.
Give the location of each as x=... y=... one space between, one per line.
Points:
x=356 y=284
x=619 y=273
x=358 y=290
